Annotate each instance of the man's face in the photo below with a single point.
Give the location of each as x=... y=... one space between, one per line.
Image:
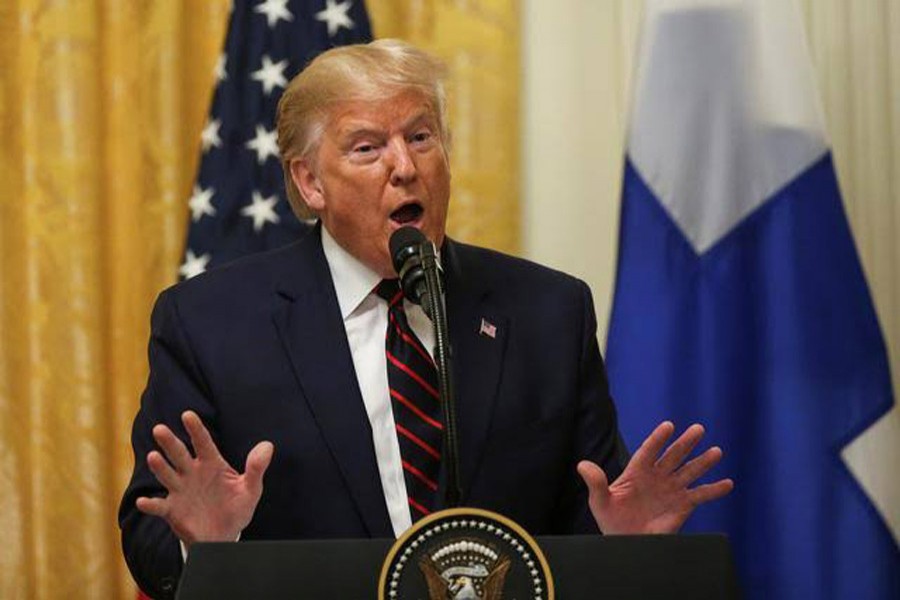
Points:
x=380 y=165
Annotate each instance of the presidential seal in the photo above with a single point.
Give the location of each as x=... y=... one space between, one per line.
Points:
x=465 y=554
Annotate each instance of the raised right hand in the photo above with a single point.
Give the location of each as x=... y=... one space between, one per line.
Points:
x=207 y=500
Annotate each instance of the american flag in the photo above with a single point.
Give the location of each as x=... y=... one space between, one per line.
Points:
x=488 y=329
x=238 y=204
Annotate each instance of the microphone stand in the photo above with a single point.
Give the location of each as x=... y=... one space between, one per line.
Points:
x=437 y=310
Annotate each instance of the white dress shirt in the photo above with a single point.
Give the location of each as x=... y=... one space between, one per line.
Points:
x=365 y=321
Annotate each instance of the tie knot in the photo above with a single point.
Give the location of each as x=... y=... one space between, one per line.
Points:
x=389 y=289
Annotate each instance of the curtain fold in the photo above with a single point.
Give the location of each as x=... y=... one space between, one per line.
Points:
x=101 y=107
x=102 y=103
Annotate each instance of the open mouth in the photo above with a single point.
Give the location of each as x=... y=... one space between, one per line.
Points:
x=408 y=213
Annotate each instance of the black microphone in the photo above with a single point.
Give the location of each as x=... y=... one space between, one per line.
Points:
x=412 y=254
x=421 y=278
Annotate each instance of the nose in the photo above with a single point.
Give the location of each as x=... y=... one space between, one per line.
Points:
x=403 y=167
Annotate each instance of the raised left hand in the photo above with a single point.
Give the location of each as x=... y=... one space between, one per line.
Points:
x=652 y=495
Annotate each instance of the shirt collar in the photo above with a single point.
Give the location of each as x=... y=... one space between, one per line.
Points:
x=353 y=281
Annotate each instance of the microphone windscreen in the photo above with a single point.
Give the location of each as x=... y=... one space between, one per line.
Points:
x=403 y=238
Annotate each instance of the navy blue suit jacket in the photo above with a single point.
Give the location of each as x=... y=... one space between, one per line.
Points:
x=258 y=349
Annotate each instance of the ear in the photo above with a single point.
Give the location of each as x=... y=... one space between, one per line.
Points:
x=308 y=183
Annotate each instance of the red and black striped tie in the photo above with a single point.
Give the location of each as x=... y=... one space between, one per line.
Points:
x=413 y=383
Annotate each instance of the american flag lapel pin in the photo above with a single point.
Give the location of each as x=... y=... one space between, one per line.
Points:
x=488 y=329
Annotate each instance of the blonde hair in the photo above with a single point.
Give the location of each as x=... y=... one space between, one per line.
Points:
x=369 y=72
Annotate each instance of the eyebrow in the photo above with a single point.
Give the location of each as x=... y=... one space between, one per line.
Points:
x=359 y=129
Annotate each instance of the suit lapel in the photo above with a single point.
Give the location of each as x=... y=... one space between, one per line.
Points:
x=312 y=333
x=477 y=359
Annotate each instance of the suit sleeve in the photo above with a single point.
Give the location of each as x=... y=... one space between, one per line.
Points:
x=597 y=435
x=175 y=384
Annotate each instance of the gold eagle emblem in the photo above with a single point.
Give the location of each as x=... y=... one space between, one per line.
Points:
x=465 y=570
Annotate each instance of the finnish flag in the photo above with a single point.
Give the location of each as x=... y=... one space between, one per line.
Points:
x=740 y=302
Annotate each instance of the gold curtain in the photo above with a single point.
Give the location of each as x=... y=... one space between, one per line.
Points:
x=101 y=106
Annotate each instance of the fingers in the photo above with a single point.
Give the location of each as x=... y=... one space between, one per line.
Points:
x=710 y=491
x=695 y=468
x=653 y=445
x=258 y=460
x=680 y=448
x=174 y=449
x=204 y=446
x=157 y=507
x=163 y=471
x=597 y=484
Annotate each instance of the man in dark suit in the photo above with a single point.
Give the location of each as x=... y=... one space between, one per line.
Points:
x=277 y=362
